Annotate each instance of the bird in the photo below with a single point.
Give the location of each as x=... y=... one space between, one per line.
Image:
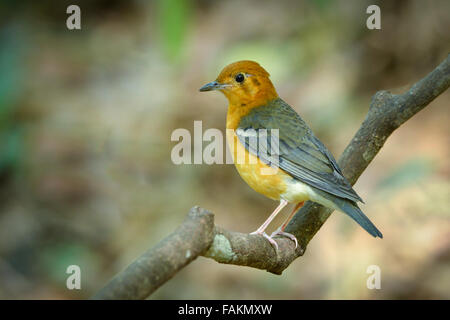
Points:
x=288 y=163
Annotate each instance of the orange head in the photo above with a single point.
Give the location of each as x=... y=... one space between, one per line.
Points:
x=244 y=83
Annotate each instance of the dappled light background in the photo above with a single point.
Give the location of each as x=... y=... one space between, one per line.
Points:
x=86 y=118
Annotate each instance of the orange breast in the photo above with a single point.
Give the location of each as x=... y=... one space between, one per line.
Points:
x=261 y=177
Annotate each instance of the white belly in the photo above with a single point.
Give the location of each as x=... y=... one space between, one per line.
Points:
x=298 y=191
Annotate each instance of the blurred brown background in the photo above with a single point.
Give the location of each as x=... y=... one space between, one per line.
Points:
x=86 y=118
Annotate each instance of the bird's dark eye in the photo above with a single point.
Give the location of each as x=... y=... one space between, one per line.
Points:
x=239 y=77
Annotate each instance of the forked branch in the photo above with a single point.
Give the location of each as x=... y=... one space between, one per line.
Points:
x=199 y=236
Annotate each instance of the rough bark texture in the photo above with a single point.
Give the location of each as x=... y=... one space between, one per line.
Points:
x=387 y=112
x=162 y=262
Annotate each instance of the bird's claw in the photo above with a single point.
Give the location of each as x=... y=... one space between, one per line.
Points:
x=269 y=238
x=279 y=232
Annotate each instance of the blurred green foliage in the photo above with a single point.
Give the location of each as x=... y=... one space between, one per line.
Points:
x=173 y=17
x=55 y=259
x=86 y=118
x=408 y=173
x=11 y=86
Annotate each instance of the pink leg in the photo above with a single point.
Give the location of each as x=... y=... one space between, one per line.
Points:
x=298 y=206
x=263 y=227
x=280 y=230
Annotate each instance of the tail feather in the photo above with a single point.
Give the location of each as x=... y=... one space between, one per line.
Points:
x=349 y=207
x=356 y=214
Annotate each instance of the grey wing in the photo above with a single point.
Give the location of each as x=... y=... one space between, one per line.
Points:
x=294 y=149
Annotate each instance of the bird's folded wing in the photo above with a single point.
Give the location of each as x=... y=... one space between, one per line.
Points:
x=291 y=145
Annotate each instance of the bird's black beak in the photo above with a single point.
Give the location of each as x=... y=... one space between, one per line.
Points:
x=214 y=85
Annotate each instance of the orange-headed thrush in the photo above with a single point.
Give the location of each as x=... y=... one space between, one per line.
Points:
x=304 y=168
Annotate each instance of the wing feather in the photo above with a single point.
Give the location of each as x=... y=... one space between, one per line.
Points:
x=297 y=150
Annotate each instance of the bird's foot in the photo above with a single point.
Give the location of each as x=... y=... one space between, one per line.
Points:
x=269 y=238
x=279 y=232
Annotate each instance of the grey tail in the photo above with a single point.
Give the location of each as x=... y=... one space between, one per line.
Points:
x=356 y=214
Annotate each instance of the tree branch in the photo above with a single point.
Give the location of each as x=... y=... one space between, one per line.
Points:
x=160 y=263
x=198 y=235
